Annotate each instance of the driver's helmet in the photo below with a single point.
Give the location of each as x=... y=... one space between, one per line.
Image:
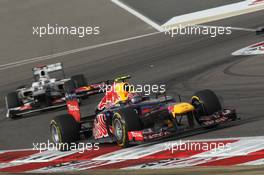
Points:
x=43 y=75
x=122 y=90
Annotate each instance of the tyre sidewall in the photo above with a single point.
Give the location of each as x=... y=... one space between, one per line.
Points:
x=67 y=129
x=209 y=100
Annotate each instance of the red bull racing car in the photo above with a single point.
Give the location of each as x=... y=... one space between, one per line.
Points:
x=46 y=92
x=126 y=117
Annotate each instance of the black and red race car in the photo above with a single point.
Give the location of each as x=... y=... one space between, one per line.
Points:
x=128 y=118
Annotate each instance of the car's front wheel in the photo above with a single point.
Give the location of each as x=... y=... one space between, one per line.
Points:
x=208 y=100
x=206 y=103
x=123 y=121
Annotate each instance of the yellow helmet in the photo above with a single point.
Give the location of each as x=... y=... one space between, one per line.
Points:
x=122 y=90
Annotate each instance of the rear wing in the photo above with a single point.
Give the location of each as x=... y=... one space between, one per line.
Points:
x=92 y=88
x=110 y=82
x=122 y=79
x=48 y=68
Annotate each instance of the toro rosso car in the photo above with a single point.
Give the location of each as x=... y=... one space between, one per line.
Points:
x=126 y=118
x=46 y=92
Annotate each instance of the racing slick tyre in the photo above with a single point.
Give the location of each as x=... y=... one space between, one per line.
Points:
x=69 y=87
x=12 y=101
x=48 y=97
x=79 y=80
x=210 y=102
x=123 y=121
x=64 y=131
x=206 y=103
x=44 y=100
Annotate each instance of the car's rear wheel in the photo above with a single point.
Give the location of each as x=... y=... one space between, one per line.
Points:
x=12 y=100
x=44 y=100
x=79 y=80
x=65 y=131
x=123 y=121
x=69 y=87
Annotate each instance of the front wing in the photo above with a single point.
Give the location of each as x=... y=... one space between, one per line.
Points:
x=206 y=122
x=24 y=110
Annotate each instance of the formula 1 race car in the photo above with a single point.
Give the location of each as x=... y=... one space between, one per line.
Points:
x=260 y=31
x=47 y=93
x=128 y=118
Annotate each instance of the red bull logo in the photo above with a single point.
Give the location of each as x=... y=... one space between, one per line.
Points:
x=99 y=129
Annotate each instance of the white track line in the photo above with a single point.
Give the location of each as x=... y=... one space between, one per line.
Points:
x=196 y=17
x=232 y=28
x=53 y=56
x=139 y=15
x=214 y=14
x=145 y=19
x=56 y=55
x=199 y=17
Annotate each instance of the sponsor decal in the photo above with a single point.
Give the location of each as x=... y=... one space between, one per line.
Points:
x=108 y=100
x=100 y=130
x=137 y=135
x=25 y=107
x=74 y=109
x=156 y=135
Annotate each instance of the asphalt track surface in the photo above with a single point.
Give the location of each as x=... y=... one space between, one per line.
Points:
x=185 y=64
x=19 y=16
x=162 y=11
